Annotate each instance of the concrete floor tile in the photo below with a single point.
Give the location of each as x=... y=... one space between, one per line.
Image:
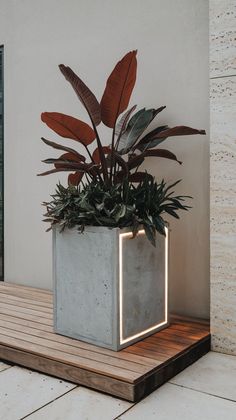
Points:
x=4 y=366
x=172 y=402
x=214 y=374
x=82 y=404
x=23 y=391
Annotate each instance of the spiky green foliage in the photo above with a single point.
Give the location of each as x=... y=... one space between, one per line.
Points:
x=121 y=205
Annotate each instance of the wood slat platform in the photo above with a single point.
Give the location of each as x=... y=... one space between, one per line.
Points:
x=27 y=339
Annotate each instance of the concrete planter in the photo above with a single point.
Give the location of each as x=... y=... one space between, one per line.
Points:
x=109 y=290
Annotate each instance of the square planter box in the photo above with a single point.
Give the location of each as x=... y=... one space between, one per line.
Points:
x=109 y=289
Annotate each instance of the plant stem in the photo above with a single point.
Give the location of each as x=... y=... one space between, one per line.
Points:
x=112 y=152
x=101 y=154
x=91 y=157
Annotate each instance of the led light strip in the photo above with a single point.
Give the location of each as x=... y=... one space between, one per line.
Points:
x=129 y=235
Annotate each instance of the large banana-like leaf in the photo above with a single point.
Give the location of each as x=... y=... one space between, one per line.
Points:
x=53 y=171
x=91 y=104
x=67 y=157
x=84 y=94
x=136 y=126
x=62 y=163
x=159 y=134
x=68 y=167
x=118 y=89
x=150 y=139
x=65 y=148
x=137 y=160
x=161 y=153
x=180 y=130
x=69 y=127
x=157 y=111
x=122 y=124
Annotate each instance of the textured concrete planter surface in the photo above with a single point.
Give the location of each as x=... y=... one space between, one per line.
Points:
x=109 y=289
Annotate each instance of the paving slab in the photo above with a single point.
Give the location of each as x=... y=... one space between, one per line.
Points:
x=179 y=403
x=214 y=373
x=23 y=391
x=84 y=404
x=4 y=366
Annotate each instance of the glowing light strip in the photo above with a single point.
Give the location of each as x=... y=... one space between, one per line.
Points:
x=129 y=235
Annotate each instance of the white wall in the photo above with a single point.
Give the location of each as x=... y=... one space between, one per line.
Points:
x=90 y=36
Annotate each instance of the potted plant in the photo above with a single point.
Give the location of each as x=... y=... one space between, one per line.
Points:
x=111 y=280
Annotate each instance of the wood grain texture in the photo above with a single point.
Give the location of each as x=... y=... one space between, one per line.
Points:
x=27 y=338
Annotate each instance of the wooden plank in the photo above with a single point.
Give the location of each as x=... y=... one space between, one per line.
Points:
x=71 y=359
x=46 y=341
x=21 y=287
x=194 y=325
x=74 y=374
x=35 y=318
x=26 y=294
x=29 y=296
x=27 y=338
x=154 y=352
x=24 y=303
x=173 y=338
x=25 y=322
x=184 y=319
x=165 y=343
x=147 y=353
x=172 y=333
x=47 y=332
x=158 y=350
x=187 y=328
x=172 y=368
x=22 y=310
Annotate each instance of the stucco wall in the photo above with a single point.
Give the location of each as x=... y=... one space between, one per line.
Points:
x=90 y=36
x=223 y=174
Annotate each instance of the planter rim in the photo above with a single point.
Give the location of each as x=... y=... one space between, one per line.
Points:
x=98 y=229
x=101 y=229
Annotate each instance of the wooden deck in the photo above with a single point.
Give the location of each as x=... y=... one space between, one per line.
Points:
x=27 y=339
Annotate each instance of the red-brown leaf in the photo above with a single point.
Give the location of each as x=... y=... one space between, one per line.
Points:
x=61 y=147
x=180 y=130
x=71 y=157
x=161 y=153
x=69 y=127
x=75 y=178
x=96 y=154
x=53 y=171
x=68 y=167
x=84 y=94
x=118 y=89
